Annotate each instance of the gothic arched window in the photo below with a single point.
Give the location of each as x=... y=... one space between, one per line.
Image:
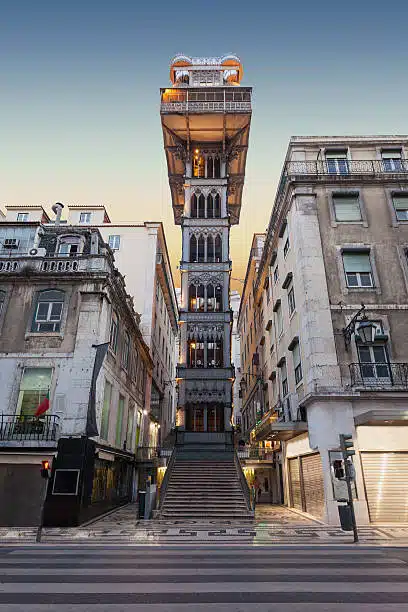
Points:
x=193 y=248
x=195 y=357
x=210 y=167
x=217 y=206
x=210 y=248
x=201 y=249
x=196 y=298
x=214 y=353
x=218 y=248
x=217 y=167
x=218 y=298
x=201 y=206
x=194 y=206
x=210 y=206
x=198 y=166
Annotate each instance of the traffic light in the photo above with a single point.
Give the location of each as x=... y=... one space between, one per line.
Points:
x=45 y=468
x=347 y=445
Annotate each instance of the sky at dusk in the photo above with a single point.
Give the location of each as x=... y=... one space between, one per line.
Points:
x=80 y=81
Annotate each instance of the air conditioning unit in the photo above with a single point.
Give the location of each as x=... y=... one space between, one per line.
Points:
x=37 y=252
x=11 y=243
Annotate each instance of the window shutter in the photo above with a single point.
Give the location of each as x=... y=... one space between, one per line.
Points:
x=296 y=355
x=336 y=154
x=347 y=207
x=356 y=262
x=400 y=202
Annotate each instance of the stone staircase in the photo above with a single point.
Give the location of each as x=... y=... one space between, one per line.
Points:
x=204 y=488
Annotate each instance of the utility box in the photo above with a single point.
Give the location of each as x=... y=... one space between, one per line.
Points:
x=345 y=518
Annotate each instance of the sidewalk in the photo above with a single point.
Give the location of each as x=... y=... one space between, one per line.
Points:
x=272 y=525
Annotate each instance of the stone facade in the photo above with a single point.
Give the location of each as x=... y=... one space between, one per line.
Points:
x=337 y=238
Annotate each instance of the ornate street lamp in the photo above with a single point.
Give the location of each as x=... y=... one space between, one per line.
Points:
x=366 y=329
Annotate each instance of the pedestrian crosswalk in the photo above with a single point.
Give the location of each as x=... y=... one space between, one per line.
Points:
x=218 y=579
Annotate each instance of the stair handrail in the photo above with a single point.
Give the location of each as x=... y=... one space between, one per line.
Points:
x=250 y=501
x=166 y=477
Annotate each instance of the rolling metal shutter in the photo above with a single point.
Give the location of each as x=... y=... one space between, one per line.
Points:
x=386 y=484
x=313 y=484
x=295 y=491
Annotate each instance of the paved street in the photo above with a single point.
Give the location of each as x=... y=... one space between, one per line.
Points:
x=219 y=579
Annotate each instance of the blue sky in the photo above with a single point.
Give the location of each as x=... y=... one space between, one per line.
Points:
x=80 y=93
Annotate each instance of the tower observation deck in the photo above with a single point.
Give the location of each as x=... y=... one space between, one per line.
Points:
x=205 y=117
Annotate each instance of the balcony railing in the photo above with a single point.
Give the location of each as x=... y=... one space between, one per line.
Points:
x=52 y=265
x=382 y=375
x=147 y=453
x=19 y=427
x=257 y=454
x=214 y=100
x=345 y=168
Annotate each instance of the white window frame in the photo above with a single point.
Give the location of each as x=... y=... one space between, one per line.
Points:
x=114 y=332
x=114 y=242
x=330 y=158
x=22 y=217
x=402 y=196
x=291 y=300
x=358 y=274
x=85 y=218
x=49 y=319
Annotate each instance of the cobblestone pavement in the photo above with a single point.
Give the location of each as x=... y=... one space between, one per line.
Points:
x=272 y=524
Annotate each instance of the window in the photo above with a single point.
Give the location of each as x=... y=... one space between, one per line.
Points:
x=276 y=275
x=286 y=247
x=114 y=242
x=392 y=160
x=337 y=162
x=357 y=267
x=34 y=388
x=2 y=300
x=69 y=246
x=279 y=319
x=297 y=363
x=113 y=337
x=284 y=379
x=107 y=396
x=22 y=216
x=214 y=354
x=373 y=361
x=126 y=351
x=198 y=166
x=48 y=311
x=291 y=300
x=119 y=421
x=196 y=298
x=347 y=207
x=85 y=217
x=400 y=203
x=196 y=353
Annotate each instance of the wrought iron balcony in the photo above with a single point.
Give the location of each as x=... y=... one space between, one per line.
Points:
x=256 y=454
x=197 y=100
x=18 y=427
x=25 y=264
x=380 y=375
x=346 y=168
x=147 y=453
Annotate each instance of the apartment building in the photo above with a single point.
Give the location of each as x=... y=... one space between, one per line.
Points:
x=332 y=290
x=75 y=374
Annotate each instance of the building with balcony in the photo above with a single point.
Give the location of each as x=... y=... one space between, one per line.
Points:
x=150 y=283
x=330 y=295
x=72 y=359
x=205 y=118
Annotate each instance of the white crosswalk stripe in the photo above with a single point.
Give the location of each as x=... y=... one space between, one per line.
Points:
x=177 y=579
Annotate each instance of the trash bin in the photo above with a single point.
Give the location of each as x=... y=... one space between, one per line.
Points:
x=345 y=518
x=142 y=503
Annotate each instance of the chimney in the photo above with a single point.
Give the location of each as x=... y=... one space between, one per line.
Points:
x=57 y=209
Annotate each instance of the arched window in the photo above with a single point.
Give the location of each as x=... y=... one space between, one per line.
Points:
x=195 y=357
x=196 y=298
x=48 y=311
x=210 y=298
x=210 y=206
x=218 y=248
x=201 y=206
x=210 y=248
x=69 y=246
x=217 y=206
x=194 y=206
x=217 y=167
x=193 y=248
x=218 y=298
x=198 y=166
x=214 y=354
x=210 y=167
x=201 y=249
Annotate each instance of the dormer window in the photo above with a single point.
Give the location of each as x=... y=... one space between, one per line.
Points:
x=85 y=217
x=22 y=216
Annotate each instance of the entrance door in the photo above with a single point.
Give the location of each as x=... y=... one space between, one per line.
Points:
x=295 y=488
x=386 y=485
x=214 y=418
x=197 y=419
